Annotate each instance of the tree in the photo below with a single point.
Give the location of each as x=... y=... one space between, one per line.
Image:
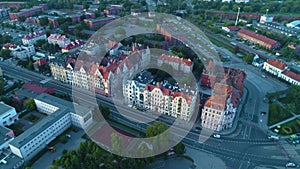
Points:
x=44 y=21
x=179 y=148
x=158 y=129
x=248 y=58
x=1 y=87
x=40 y=42
x=29 y=104
x=288 y=52
x=21 y=18
x=5 y=53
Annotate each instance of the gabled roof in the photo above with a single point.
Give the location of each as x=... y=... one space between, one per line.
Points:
x=175 y=59
x=292 y=75
x=277 y=63
x=259 y=37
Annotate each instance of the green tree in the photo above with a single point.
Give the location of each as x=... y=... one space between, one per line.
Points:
x=179 y=148
x=21 y=18
x=44 y=21
x=248 y=58
x=40 y=42
x=1 y=87
x=5 y=53
x=288 y=52
x=29 y=104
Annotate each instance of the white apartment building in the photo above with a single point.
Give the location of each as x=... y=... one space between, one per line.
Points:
x=31 y=38
x=21 y=52
x=219 y=110
x=160 y=99
x=91 y=76
x=178 y=64
x=8 y=114
x=60 y=40
x=61 y=115
x=274 y=67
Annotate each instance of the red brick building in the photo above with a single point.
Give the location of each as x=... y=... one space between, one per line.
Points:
x=259 y=39
x=27 y=12
x=97 y=23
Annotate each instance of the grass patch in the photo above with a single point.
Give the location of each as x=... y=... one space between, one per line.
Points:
x=277 y=114
x=17 y=128
x=283 y=100
x=289 y=128
x=32 y=118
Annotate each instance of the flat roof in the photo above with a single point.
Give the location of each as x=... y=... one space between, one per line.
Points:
x=64 y=106
x=4 y=108
x=3 y=134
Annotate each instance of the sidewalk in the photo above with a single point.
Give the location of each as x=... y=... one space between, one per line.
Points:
x=205 y=160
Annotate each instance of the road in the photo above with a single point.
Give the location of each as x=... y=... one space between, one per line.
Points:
x=235 y=151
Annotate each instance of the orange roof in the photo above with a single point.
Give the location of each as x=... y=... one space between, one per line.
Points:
x=222 y=89
x=175 y=59
x=292 y=75
x=258 y=36
x=277 y=63
x=216 y=102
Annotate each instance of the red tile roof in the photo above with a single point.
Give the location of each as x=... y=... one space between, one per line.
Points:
x=73 y=45
x=164 y=90
x=292 y=75
x=10 y=46
x=233 y=28
x=34 y=35
x=175 y=59
x=277 y=63
x=258 y=37
x=37 y=89
x=40 y=62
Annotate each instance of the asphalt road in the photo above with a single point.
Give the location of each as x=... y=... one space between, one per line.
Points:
x=237 y=152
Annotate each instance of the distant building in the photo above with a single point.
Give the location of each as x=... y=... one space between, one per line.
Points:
x=294 y=24
x=113 y=9
x=61 y=115
x=241 y=1
x=259 y=39
x=60 y=40
x=266 y=19
x=31 y=38
x=4 y=13
x=72 y=46
x=8 y=114
x=230 y=29
x=27 y=12
x=178 y=64
x=21 y=52
x=38 y=64
x=97 y=23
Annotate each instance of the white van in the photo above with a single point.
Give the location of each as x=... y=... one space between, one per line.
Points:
x=273 y=137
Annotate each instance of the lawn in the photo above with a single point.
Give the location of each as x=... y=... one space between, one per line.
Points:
x=289 y=128
x=17 y=128
x=32 y=118
x=277 y=114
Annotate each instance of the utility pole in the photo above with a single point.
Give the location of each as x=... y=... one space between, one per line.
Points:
x=237 y=16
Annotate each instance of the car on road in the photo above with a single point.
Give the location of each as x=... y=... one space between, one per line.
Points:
x=290 y=164
x=273 y=137
x=217 y=136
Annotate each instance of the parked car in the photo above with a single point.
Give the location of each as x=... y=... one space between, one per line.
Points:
x=217 y=136
x=291 y=165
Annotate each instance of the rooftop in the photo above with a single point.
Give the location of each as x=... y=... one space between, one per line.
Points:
x=258 y=37
x=292 y=75
x=4 y=108
x=277 y=63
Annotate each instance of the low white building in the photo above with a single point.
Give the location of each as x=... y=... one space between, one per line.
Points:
x=31 y=38
x=274 y=67
x=290 y=77
x=60 y=40
x=8 y=114
x=21 y=52
x=61 y=115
